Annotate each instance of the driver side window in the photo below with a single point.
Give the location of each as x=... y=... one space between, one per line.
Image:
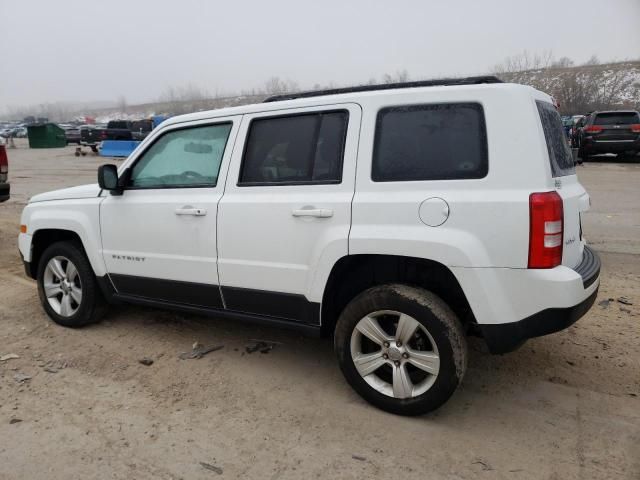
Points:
x=189 y=157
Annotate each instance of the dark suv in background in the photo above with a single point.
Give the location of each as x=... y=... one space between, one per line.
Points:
x=610 y=132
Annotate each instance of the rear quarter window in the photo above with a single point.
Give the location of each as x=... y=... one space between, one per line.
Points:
x=430 y=142
x=560 y=157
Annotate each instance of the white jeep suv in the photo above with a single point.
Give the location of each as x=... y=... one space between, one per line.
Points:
x=395 y=218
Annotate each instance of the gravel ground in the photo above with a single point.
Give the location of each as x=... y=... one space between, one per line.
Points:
x=565 y=406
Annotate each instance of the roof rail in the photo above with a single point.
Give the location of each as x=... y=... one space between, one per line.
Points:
x=386 y=86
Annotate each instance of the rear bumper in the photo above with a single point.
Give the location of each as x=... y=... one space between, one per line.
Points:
x=610 y=146
x=5 y=190
x=506 y=337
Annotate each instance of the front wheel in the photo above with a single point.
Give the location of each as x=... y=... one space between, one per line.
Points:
x=401 y=348
x=67 y=286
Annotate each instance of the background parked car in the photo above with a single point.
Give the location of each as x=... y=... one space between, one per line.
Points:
x=616 y=131
x=576 y=119
x=92 y=135
x=141 y=128
x=567 y=124
x=577 y=131
x=72 y=134
x=118 y=130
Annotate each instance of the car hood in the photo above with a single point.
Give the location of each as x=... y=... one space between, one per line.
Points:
x=83 y=191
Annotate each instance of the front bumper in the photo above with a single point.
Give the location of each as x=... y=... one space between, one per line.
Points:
x=506 y=337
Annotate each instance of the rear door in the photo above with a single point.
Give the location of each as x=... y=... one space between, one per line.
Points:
x=575 y=199
x=285 y=215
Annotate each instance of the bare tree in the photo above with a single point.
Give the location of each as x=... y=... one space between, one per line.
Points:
x=177 y=100
x=562 y=62
x=593 y=60
x=122 y=104
x=399 y=77
x=276 y=85
x=524 y=61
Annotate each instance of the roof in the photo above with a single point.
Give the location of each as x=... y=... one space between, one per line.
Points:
x=387 y=86
x=598 y=112
x=353 y=94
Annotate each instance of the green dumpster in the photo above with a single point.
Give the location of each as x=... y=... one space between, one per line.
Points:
x=46 y=135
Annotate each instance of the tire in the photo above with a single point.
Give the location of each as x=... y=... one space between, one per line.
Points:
x=81 y=310
x=583 y=155
x=438 y=333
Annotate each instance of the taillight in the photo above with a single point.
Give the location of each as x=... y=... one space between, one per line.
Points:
x=4 y=161
x=635 y=128
x=593 y=129
x=103 y=135
x=546 y=219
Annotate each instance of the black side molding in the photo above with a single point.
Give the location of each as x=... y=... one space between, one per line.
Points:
x=276 y=308
x=287 y=306
x=173 y=291
x=311 y=330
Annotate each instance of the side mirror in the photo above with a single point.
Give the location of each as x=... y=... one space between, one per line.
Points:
x=108 y=178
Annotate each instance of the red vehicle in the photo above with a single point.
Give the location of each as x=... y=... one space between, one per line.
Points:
x=4 y=172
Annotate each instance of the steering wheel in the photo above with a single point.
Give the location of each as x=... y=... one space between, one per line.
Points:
x=191 y=175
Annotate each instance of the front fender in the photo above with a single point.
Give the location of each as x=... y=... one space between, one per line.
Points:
x=78 y=216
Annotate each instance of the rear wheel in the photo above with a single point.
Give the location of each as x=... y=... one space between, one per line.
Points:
x=67 y=286
x=401 y=348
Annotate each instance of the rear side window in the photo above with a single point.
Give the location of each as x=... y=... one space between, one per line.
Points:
x=560 y=156
x=295 y=149
x=616 y=118
x=430 y=142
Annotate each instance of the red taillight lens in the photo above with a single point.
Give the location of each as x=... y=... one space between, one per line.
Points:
x=4 y=161
x=103 y=135
x=546 y=219
x=635 y=128
x=593 y=129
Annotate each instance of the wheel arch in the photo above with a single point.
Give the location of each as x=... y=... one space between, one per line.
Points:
x=45 y=237
x=353 y=274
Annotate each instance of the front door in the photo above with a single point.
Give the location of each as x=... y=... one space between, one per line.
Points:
x=285 y=215
x=159 y=236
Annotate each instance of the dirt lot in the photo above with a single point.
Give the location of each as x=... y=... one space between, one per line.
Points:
x=566 y=406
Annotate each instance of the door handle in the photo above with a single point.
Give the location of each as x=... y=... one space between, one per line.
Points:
x=196 y=212
x=312 y=212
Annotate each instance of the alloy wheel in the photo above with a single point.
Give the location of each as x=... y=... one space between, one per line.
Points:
x=395 y=354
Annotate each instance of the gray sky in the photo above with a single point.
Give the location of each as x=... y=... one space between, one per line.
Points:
x=67 y=50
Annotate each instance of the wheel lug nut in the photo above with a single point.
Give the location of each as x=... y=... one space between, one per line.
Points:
x=405 y=355
x=386 y=344
x=398 y=344
x=385 y=356
x=397 y=364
